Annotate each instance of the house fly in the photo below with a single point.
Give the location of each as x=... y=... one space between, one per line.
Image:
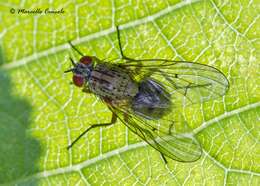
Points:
x=143 y=92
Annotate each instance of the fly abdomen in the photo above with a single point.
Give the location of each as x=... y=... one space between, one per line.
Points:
x=152 y=101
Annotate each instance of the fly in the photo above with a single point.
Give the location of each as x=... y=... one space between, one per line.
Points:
x=143 y=92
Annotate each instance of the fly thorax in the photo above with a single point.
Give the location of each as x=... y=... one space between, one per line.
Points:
x=83 y=69
x=112 y=82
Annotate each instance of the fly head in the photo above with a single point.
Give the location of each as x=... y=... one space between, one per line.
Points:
x=81 y=70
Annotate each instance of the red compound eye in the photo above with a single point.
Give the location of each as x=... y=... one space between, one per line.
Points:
x=78 y=80
x=86 y=60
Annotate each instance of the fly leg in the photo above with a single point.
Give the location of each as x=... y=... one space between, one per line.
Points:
x=74 y=48
x=164 y=159
x=151 y=137
x=113 y=121
x=86 y=89
x=120 y=47
x=73 y=64
x=170 y=128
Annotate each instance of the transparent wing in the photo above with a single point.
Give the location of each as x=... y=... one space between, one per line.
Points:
x=157 y=133
x=186 y=82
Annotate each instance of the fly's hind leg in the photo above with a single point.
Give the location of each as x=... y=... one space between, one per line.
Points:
x=113 y=121
x=170 y=128
x=164 y=158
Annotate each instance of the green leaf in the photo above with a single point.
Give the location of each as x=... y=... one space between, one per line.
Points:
x=41 y=113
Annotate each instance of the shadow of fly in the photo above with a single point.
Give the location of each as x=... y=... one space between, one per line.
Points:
x=143 y=92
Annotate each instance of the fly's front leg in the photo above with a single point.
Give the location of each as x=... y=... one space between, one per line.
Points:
x=73 y=64
x=74 y=48
x=113 y=121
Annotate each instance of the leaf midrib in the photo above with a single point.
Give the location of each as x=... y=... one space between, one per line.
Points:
x=59 y=48
x=78 y=167
x=65 y=46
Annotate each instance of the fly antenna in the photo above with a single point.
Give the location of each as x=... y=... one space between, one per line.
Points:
x=75 y=48
x=70 y=70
